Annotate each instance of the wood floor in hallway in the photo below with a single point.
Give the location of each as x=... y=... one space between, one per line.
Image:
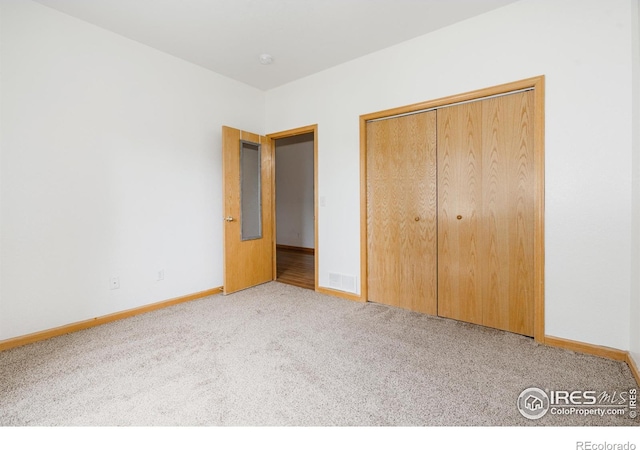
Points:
x=296 y=267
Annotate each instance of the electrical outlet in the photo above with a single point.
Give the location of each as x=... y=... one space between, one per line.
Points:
x=160 y=274
x=114 y=283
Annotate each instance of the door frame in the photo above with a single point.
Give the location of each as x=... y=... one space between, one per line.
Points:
x=535 y=83
x=285 y=134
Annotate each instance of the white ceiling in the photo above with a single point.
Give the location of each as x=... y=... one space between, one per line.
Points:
x=303 y=36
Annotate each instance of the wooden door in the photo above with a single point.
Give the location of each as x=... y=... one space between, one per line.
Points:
x=401 y=212
x=486 y=212
x=460 y=230
x=247 y=198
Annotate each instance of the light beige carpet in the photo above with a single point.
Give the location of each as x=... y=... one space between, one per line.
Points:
x=281 y=355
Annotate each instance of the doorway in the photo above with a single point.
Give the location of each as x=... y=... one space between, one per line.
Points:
x=296 y=252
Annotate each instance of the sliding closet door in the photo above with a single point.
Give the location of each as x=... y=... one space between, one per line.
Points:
x=486 y=212
x=401 y=212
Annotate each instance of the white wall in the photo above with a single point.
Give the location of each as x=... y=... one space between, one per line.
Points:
x=1 y=158
x=634 y=316
x=110 y=165
x=110 y=157
x=294 y=192
x=583 y=47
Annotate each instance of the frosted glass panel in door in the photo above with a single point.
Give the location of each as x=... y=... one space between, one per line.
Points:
x=250 y=193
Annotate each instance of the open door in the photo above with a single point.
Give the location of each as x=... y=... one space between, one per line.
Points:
x=247 y=187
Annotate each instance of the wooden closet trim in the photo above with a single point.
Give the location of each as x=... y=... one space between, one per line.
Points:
x=535 y=83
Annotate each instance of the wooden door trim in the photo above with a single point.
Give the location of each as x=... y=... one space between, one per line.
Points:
x=535 y=83
x=290 y=133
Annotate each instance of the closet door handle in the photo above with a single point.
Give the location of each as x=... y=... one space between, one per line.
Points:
x=459 y=217
x=229 y=219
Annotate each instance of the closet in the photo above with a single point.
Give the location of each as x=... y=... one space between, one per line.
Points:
x=450 y=211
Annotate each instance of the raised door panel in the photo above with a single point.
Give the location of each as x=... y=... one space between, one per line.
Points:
x=401 y=212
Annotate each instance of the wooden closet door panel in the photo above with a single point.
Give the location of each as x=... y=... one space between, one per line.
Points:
x=508 y=212
x=401 y=187
x=460 y=231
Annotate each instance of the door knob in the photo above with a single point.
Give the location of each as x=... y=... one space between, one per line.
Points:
x=229 y=219
x=459 y=217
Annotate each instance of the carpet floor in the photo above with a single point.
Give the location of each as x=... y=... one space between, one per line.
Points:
x=281 y=355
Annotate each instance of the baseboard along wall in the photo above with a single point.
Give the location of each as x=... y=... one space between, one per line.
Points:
x=591 y=349
x=634 y=368
x=595 y=350
x=84 y=324
x=309 y=251
x=340 y=294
